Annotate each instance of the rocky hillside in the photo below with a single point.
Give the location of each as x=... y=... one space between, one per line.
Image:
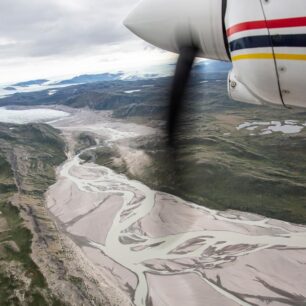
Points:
x=38 y=266
x=28 y=155
x=127 y=98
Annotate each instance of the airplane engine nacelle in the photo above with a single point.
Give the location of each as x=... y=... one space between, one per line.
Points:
x=267 y=42
x=172 y=24
x=264 y=39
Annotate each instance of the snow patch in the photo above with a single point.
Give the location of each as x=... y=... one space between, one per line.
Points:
x=52 y=92
x=132 y=91
x=267 y=128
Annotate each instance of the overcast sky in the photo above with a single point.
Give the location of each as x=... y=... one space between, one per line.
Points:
x=55 y=38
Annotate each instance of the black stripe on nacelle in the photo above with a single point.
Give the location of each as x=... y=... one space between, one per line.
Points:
x=250 y=42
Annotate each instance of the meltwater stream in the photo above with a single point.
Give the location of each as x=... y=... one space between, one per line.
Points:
x=133 y=249
x=139 y=238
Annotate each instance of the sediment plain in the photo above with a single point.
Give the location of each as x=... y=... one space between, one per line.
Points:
x=159 y=249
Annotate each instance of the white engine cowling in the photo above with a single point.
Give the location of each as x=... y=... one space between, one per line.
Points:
x=266 y=41
x=169 y=24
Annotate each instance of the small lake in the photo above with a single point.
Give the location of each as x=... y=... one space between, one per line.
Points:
x=30 y=115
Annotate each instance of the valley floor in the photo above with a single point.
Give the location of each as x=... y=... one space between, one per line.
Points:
x=156 y=248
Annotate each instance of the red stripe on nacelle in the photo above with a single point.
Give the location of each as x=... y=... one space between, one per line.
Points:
x=271 y=24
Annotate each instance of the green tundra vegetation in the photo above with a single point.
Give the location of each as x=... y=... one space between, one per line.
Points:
x=216 y=165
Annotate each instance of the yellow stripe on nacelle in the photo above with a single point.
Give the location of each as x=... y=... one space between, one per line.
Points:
x=263 y=56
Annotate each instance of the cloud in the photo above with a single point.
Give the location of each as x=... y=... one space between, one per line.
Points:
x=36 y=28
x=61 y=38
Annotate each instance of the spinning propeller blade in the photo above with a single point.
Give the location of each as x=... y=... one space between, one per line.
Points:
x=182 y=74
